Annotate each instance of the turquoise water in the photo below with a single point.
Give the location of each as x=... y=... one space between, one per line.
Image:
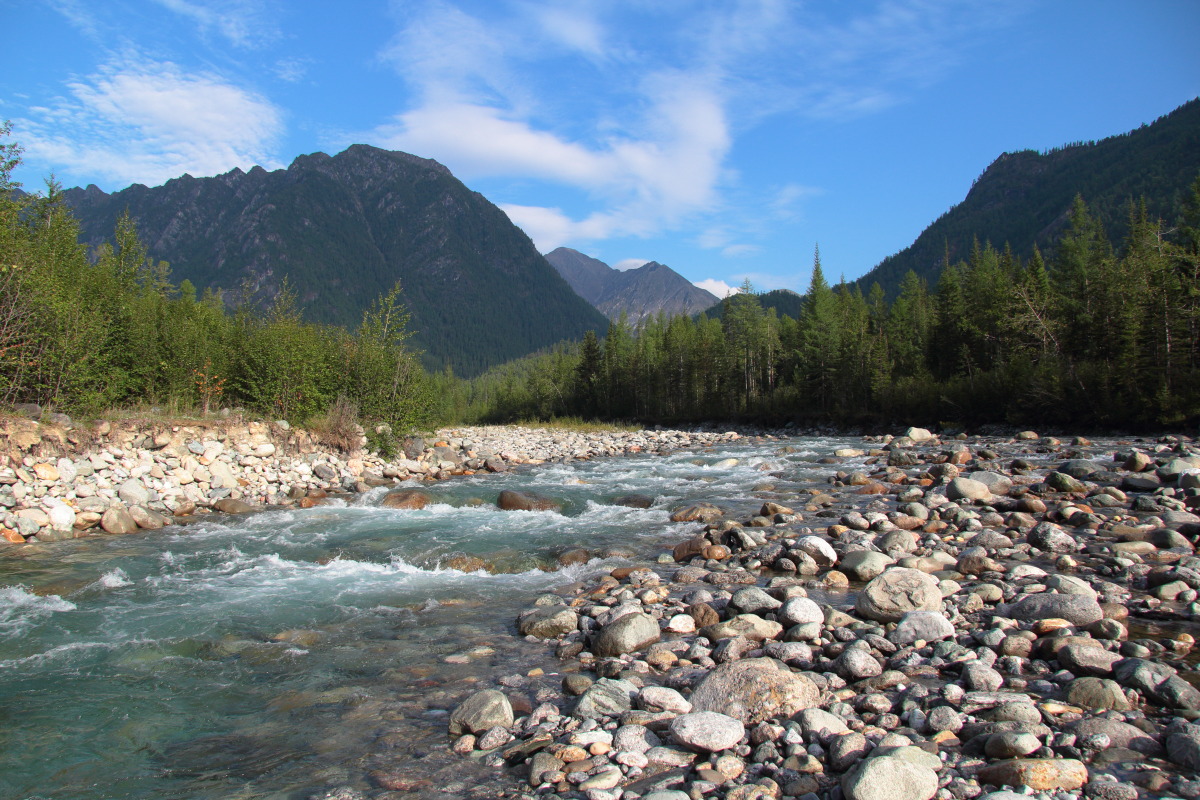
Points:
x=280 y=654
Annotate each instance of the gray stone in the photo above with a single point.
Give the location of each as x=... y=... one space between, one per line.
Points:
x=929 y=626
x=627 y=634
x=1052 y=538
x=662 y=698
x=846 y=750
x=750 y=626
x=979 y=677
x=546 y=622
x=1011 y=744
x=1086 y=660
x=707 y=731
x=607 y=697
x=1158 y=681
x=753 y=600
x=888 y=597
x=863 y=565
x=133 y=493
x=755 y=689
x=944 y=718
x=967 y=489
x=855 y=663
x=889 y=778
x=800 y=611
x=1075 y=609
x=820 y=723
x=481 y=712
x=1120 y=734
x=1183 y=745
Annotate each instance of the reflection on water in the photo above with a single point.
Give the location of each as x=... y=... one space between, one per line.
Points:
x=277 y=654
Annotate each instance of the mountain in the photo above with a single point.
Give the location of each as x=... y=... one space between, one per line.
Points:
x=343 y=229
x=638 y=293
x=1022 y=199
x=785 y=302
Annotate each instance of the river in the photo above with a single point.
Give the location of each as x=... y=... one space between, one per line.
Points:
x=280 y=654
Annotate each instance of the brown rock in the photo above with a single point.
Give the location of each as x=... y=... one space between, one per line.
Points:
x=525 y=501
x=11 y=536
x=117 y=520
x=410 y=499
x=703 y=614
x=687 y=550
x=231 y=506
x=701 y=512
x=1039 y=774
x=754 y=690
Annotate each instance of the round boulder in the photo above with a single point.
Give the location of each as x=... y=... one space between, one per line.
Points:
x=888 y=597
x=627 y=634
x=754 y=689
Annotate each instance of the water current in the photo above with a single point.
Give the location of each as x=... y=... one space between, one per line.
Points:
x=279 y=654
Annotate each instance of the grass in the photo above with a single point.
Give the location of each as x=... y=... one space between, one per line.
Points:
x=580 y=425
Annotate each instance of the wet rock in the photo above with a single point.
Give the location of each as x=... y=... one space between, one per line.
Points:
x=481 y=712
x=547 y=622
x=231 y=506
x=753 y=690
x=1183 y=745
x=701 y=512
x=634 y=501
x=117 y=520
x=510 y=500
x=888 y=597
x=707 y=731
x=627 y=634
x=607 y=697
x=410 y=499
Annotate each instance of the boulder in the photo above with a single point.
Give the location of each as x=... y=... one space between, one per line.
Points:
x=888 y=597
x=889 y=778
x=755 y=689
x=510 y=500
x=546 y=622
x=1076 y=609
x=118 y=520
x=481 y=712
x=411 y=499
x=627 y=634
x=1039 y=774
x=707 y=731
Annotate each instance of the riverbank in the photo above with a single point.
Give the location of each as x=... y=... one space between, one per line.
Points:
x=61 y=481
x=961 y=619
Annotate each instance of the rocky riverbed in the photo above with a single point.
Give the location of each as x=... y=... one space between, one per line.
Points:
x=63 y=481
x=963 y=618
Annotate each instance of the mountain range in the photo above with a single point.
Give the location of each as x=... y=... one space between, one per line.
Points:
x=343 y=229
x=637 y=293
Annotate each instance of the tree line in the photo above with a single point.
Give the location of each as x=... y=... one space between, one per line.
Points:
x=87 y=333
x=1099 y=336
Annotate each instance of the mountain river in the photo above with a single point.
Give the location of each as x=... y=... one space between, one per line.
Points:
x=286 y=653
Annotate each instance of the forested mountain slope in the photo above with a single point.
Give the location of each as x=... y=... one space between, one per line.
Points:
x=343 y=229
x=1023 y=198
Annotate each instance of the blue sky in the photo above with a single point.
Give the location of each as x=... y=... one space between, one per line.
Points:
x=722 y=138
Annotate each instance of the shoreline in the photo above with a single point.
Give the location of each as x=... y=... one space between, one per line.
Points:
x=60 y=482
x=992 y=651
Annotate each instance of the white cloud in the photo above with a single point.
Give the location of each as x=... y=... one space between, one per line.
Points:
x=740 y=250
x=150 y=122
x=720 y=289
x=626 y=264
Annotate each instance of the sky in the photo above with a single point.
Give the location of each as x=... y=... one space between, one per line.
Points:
x=725 y=138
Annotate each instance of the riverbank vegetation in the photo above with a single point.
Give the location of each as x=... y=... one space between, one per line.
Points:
x=1097 y=335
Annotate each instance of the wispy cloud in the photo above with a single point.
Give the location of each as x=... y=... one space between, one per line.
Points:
x=244 y=23
x=641 y=119
x=149 y=122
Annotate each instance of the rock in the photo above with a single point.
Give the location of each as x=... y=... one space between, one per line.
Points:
x=223 y=477
x=846 y=749
x=753 y=600
x=1039 y=774
x=702 y=512
x=800 y=611
x=1051 y=538
x=889 y=778
x=967 y=489
x=863 y=565
x=1097 y=693
x=1086 y=660
x=634 y=501
x=1157 y=681
x=481 y=712
x=147 y=519
x=855 y=663
x=510 y=500
x=661 y=698
x=1076 y=609
x=707 y=731
x=231 y=506
x=821 y=723
x=978 y=677
x=627 y=634
x=1183 y=745
x=929 y=626
x=888 y=597
x=411 y=499
x=755 y=689
x=945 y=718
x=546 y=622
x=118 y=520
x=1120 y=734
x=607 y=697
x=818 y=549
x=133 y=493
x=919 y=435
x=1011 y=744
x=751 y=626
